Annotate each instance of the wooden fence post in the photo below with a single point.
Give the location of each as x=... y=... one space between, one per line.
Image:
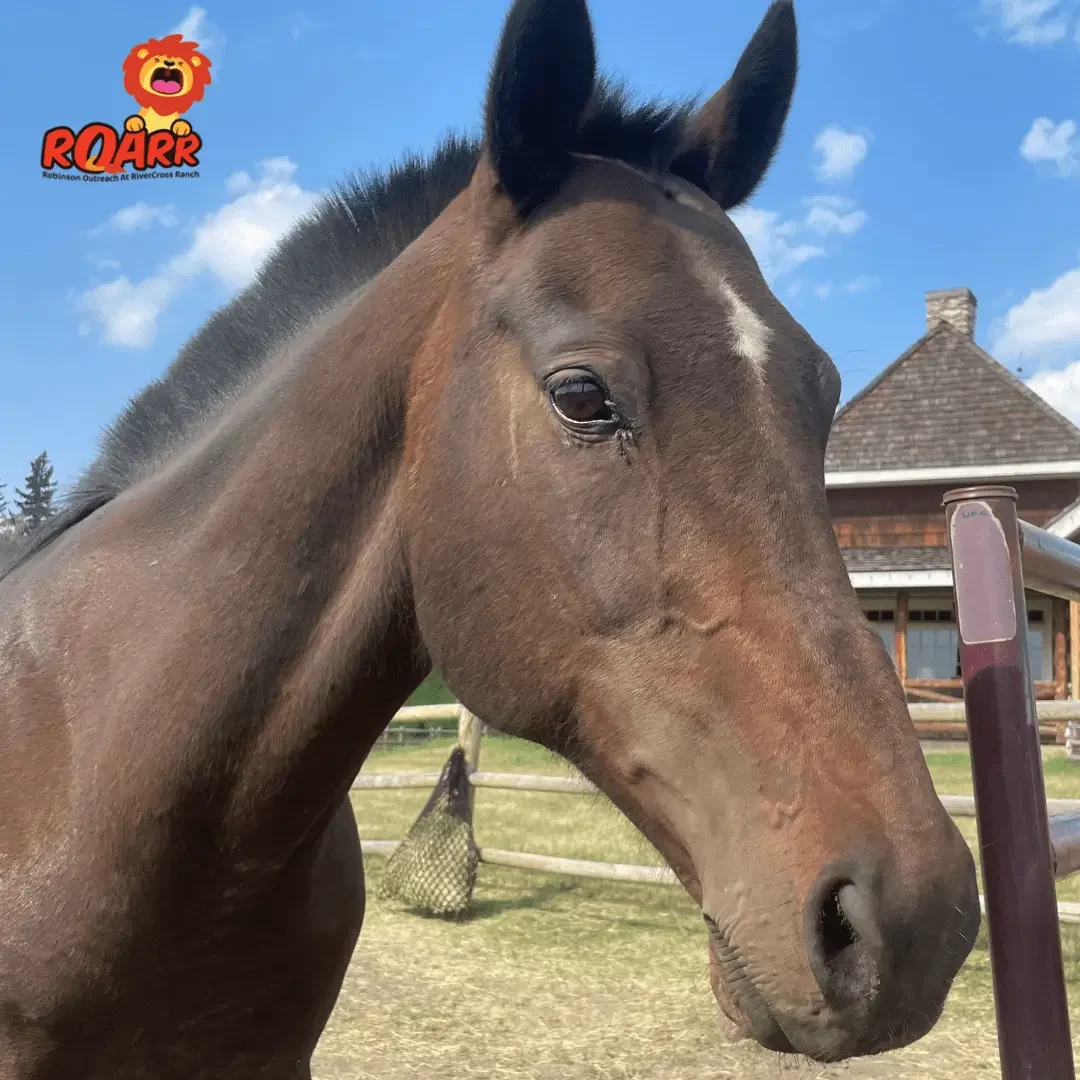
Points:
x=470 y=732
x=900 y=635
x=1060 y=621
x=1072 y=741
x=1074 y=649
x=1072 y=729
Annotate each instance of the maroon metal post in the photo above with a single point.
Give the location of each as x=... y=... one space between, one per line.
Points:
x=1034 y=1039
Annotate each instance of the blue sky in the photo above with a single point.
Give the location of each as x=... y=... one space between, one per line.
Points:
x=932 y=144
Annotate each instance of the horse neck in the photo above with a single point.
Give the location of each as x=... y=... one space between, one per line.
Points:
x=315 y=640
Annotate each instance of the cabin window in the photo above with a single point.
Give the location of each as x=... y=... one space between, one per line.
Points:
x=1040 y=653
x=933 y=644
x=933 y=641
x=884 y=620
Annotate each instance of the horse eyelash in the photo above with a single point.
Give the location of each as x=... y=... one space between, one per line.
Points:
x=624 y=432
x=615 y=414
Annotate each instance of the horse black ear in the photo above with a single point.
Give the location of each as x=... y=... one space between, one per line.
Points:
x=541 y=82
x=731 y=140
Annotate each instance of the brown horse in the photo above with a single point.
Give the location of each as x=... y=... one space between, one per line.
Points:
x=526 y=410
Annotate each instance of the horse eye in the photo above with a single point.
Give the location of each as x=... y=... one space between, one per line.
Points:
x=580 y=399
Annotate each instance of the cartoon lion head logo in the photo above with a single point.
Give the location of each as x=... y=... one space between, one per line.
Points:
x=167 y=76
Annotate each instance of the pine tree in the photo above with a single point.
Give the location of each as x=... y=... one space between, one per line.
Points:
x=35 y=503
x=3 y=505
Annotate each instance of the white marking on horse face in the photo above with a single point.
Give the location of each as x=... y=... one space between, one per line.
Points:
x=750 y=335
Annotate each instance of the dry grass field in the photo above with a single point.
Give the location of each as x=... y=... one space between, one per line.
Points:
x=553 y=977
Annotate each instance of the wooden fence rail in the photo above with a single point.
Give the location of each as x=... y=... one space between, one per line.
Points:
x=413 y=713
x=957 y=805
x=934 y=717
x=632 y=873
x=470 y=731
x=1064 y=835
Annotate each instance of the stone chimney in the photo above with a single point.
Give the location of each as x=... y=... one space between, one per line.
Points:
x=954 y=306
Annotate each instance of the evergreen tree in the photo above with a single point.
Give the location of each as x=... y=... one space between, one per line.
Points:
x=3 y=505
x=35 y=503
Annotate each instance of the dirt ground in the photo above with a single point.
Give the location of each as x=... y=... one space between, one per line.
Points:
x=559 y=979
x=555 y=979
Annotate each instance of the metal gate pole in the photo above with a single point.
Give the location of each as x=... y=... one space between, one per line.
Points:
x=1010 y=796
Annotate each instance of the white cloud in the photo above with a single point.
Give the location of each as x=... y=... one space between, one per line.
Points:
x=189 y=25
x=138 y=215
x=862 y=283
x=833 y=214
x=842 y=152
x=299 y=25
x=239 y=182
x=1044 y=330
x=230 y=244
x=771 y=241
x=1047 y=141
x=195 y=26
x=1031 y=22
x=100 y=263
x=276 y=168
x=233 y=242
x=127 y=312
x=1046 y=321
x=783 y=245
x=1061 y=389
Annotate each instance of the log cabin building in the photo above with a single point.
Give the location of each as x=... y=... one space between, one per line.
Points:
x=946 y=414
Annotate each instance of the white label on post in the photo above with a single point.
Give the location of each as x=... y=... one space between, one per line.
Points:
x=985 y=607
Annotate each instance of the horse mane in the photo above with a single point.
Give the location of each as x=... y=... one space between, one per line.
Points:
x=358 y=228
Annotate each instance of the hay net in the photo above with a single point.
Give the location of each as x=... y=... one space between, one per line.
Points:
x=433 y=870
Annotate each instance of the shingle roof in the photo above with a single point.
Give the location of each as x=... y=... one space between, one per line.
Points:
x=879 y=560
x=946 y=402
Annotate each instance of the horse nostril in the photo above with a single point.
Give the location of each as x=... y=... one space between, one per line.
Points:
x=837 y=933
x=845 y=942
x=858 y=910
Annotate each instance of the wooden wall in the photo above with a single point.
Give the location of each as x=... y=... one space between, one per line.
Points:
x=899 y=517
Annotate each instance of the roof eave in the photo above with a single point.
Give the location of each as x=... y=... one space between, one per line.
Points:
x=960 y=474
x=901 y=579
